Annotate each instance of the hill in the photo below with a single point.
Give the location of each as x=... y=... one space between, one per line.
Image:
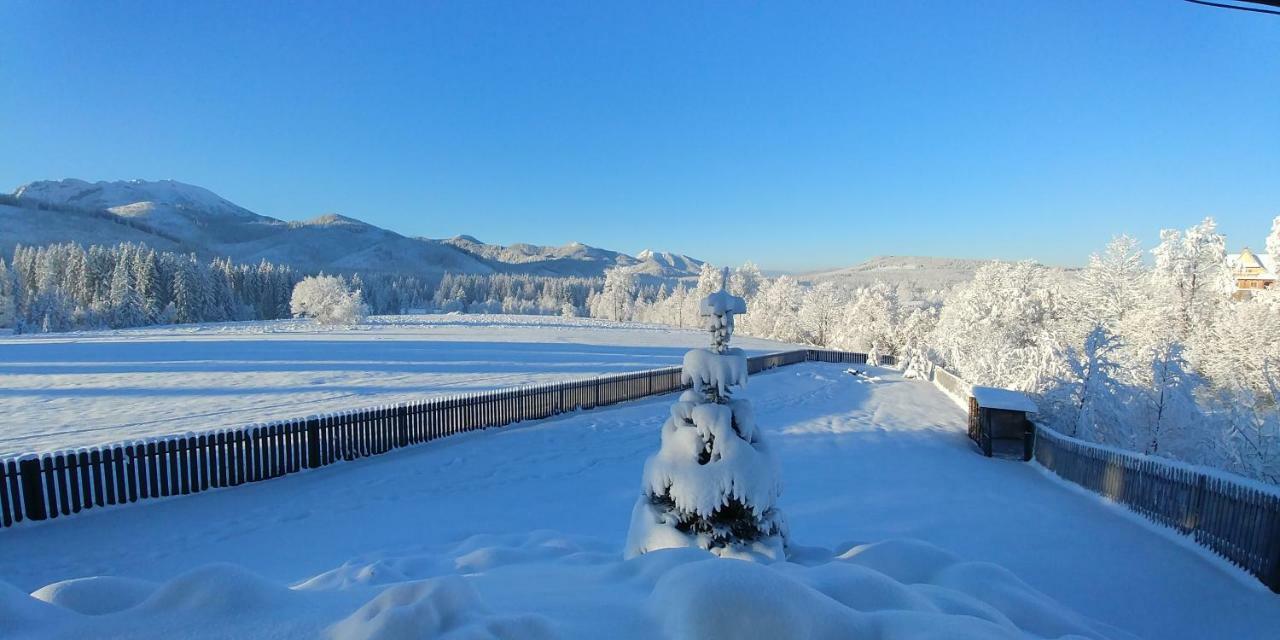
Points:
x=171 y=215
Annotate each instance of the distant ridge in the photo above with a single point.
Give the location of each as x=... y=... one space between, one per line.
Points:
x=172 y=215
x=919 y=271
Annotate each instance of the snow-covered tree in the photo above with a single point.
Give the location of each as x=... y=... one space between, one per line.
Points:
x=1192 y=274
x=713 y=483
x=821 y=308
x=1099 y=406
x=8 y=308
x=127 y=309
x=328 y=300
x=745 y=281
x=1273 y=243
x=775 y=311
x=1173 y=412
x=999 y=328
x=617 y=300
x=1114 y=284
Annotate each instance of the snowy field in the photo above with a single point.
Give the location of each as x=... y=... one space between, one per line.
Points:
x=80 y=389
x=905 y=532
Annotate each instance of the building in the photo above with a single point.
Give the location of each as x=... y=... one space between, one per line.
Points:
x=1252 y=272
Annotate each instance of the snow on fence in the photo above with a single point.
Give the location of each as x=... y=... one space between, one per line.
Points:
x=1238 y=521
x=63 y=483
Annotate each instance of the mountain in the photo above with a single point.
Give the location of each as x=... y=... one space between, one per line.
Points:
x=174 y=216
x=576 y=258
x=920 y=271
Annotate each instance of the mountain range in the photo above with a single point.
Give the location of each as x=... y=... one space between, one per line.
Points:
x=173 y=216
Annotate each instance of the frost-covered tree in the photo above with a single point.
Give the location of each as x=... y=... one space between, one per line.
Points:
x=775 y=311
x=708 y=280
x=821 y=308
x=1273 y=243
x=1114 y=284
x=8 y=308
x=745 y=281
x=999 y=328
x=713 y=483
x=127 y=309
x=1173 y=412
x=328 y=300
x=616 y=301
x=1192 y=274
x=1100 y=403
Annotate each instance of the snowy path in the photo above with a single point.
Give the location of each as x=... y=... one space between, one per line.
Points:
x=72 y=390
x=862 y=463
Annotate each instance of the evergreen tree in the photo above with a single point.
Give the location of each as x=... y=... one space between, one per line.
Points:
x=713 y=484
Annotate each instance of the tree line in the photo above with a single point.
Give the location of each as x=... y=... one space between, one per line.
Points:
x=1151 y=355
x=64 y=287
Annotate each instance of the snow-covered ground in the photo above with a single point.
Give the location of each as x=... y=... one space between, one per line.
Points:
x=80 y=389
x=905 y=532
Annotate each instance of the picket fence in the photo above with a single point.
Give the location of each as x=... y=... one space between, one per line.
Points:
x=65 y=483
x=1238 y=521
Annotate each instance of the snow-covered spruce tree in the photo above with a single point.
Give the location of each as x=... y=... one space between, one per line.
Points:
x=8 y=307
x=713 y=483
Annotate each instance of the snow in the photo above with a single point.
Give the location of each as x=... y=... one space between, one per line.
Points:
x=704 y=368
x=993 y=398
x=899 y=531
x=86 y=388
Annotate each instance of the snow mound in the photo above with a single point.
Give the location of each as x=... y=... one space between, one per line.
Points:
x=475 y=554
x=445 y=607
x=96 y=595
x=218 y=590
x=926 y=594
x=21 y=613
x=729 y=599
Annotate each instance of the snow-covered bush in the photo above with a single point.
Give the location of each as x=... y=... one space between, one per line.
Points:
x=713 y=483
x=328 y=300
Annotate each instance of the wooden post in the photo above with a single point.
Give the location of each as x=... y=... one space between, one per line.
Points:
x=313 y=443
x=33 y=498
x=402 y=425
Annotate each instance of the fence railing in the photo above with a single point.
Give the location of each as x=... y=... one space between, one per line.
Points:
x=64 y=483
x=1239 y=522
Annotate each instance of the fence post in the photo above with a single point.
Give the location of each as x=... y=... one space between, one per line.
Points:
x=402 y=425
x=1197 y=503
x=313 y=443
x=1273 y=579
x=32 y=488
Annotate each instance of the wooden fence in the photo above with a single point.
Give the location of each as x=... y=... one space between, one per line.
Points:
x=1239 y=522
x=64 y=483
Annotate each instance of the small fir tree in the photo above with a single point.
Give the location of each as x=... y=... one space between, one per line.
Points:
x=713 y=483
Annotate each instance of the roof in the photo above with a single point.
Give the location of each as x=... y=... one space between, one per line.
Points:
x=993 y=398
x=1248 y=259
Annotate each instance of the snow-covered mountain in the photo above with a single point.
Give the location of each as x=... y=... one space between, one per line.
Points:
x=175 y=216
x=920 y=271
x=576 y=258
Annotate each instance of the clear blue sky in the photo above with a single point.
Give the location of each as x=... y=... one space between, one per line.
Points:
x=799 y=135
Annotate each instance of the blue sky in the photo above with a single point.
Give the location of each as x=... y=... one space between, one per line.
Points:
x=799 y=135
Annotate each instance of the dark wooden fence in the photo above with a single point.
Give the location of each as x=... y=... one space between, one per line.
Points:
x=1239 y=522
x=63 y=483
